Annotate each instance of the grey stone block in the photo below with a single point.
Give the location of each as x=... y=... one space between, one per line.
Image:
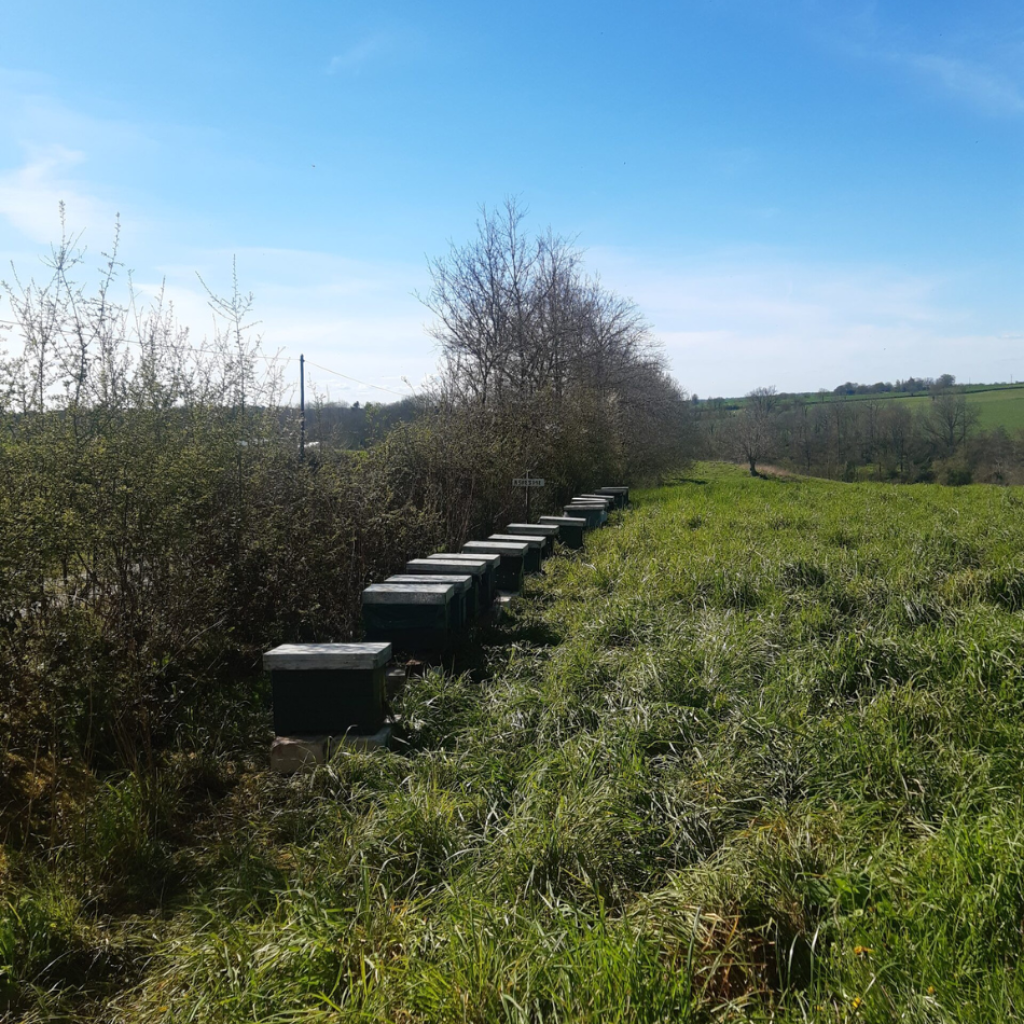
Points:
x=289 y=754
x=363 y=742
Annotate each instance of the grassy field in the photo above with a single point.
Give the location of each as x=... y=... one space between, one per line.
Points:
x=997 y=405
x=999 y=408
x=755 y=754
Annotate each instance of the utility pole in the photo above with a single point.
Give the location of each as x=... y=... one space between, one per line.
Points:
x=302 y=407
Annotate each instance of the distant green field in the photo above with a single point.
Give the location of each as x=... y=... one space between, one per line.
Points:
x=1004 y=407
x=997 y=404
x=1000 y=408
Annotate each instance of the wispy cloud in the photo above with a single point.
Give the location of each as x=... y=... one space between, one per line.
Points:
x=30 y=194
x=369 y=50
x=976 y=58
x=978 y=85
x=743 y=320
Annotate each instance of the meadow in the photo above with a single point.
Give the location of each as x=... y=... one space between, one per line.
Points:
x=996 y=405
x=755 y=754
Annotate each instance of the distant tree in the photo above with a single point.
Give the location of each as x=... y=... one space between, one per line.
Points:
x=948 y=421
x=871 y=432
x=842 y=422
x=805 y=435
x=755 y=430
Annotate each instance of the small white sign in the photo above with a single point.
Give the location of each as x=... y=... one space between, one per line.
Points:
x=528 y=481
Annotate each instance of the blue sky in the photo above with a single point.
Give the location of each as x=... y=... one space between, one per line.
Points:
x=796 y=192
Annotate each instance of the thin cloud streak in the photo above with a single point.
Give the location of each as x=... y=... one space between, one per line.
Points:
x=734 y=325
x=31 y=194
x=985 y=89
x=372 y=49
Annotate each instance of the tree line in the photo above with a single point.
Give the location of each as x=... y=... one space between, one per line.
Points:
x=939 y=441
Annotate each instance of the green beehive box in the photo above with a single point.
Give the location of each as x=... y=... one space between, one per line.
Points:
x=549 y=533
x=595 y=515
x=492 y=562
x=327 y=689
x=620 y=494
x=464 y=604
x=477 y=571
x=509 y=576
x=570 y=529
x=412 y=616
x=534 y=555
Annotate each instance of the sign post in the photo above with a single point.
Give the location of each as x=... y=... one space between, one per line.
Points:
x=528 y=482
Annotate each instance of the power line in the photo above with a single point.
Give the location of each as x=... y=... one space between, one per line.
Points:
x=366 y=384
x=258 y=355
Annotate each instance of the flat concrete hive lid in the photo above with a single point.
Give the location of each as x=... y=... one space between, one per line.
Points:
x=501 y=547
x=564 y=520
x=442 y=566
x=613 y=490
x=461 y=583
x=479 y=556
x=408 y=593
x=540 y=529
x=533 y=542
x=319 y=656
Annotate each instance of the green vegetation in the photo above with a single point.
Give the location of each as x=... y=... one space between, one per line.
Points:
x=754 y=754
x=160 y=528
x=945 y=433
x=996 y=405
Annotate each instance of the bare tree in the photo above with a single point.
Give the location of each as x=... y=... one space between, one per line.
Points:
x=948 y=421
x=898 y=428
x=481 y=294
x=519 y=320
x=754 y=433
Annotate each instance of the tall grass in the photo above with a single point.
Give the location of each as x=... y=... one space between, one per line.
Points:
x=754 y=754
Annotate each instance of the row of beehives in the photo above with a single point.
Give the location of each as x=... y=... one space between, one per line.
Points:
x=339 y=690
